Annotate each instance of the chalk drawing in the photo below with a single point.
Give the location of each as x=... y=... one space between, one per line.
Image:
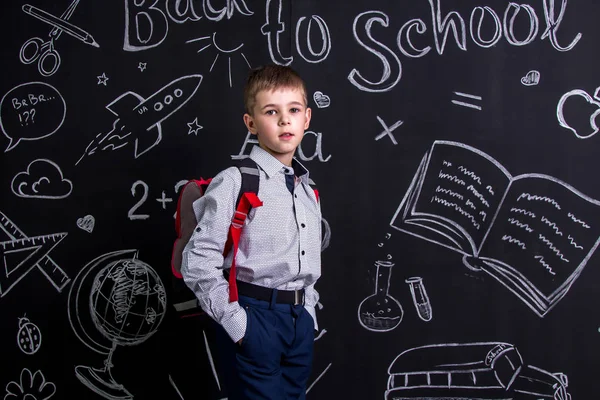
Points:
x=321 y=100
x=29 y=337
x=420 y=298
x=116 y=299
x=220 y=51
x=485 y=370
x=194 y=127
x=380 y=312
x=387 y=131
x=86 y=223
x=31 y=111
x=447 y=24
x=532 y=78
x=36 y=49
x=30 y=387
x=43 y=179
x=147 y=26
x=318 y=378
x=102 y=79
x=227 y=10
x=464 y=103
x=21 y=254
x=139 y=120
x=522 y=229
x=325 y=37
x=164 y=200
x=274 y=26
x=595 y=101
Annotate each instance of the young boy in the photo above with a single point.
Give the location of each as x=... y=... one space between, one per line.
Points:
x=268 y=332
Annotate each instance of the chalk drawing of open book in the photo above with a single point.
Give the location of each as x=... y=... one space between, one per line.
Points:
x=532 y=233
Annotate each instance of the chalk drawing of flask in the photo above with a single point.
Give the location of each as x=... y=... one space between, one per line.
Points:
x=420 y=298
x=381 y=312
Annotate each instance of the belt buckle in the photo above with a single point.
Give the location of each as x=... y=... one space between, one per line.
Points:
x=297 y=297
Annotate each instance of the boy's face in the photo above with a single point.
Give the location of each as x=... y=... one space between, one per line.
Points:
x=279 y=119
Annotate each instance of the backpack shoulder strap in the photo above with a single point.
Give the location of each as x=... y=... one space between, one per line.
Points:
x=247 y=199
x=250 y=177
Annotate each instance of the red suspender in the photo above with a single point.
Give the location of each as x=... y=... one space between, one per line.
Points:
x=246 y=203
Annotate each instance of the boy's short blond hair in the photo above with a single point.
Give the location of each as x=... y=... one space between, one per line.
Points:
x=271 y=77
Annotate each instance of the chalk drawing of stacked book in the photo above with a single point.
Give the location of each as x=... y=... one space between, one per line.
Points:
x=479 y=371
x=532 y=233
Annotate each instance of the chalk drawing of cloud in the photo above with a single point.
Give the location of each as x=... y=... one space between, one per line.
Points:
x=43 y=180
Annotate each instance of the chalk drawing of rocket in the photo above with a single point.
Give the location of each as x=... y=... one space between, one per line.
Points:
x=139 y=119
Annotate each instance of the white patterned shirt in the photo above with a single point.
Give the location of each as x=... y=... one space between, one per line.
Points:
x=280 y=244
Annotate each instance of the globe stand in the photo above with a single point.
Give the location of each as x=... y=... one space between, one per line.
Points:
x=101 y=381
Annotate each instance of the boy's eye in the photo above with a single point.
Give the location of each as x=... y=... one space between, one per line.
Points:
x=295 y=110
x=271 y=112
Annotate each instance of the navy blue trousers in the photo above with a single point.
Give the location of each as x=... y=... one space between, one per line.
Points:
x=275 y=358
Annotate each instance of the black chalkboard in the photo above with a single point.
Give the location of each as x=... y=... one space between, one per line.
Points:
x=454 y=146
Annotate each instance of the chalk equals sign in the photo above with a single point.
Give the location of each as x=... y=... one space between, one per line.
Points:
x=464 y=103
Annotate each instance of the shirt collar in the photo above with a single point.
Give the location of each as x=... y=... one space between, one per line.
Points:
x=271 y=165
x=300 y=171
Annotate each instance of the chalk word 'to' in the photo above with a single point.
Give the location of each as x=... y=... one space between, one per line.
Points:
x=273 y=28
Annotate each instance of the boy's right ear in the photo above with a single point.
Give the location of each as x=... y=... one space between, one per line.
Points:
x=250 y=125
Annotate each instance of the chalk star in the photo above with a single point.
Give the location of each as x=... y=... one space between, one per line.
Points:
x=194 y=127
x=102 y=79
x=142 y=66
x=388 y=131
x=164 y=200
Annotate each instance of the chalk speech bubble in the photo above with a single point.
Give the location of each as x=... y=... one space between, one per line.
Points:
x=31 y=111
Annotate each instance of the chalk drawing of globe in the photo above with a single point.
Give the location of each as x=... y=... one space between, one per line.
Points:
x=127 y=301
x=115 y=300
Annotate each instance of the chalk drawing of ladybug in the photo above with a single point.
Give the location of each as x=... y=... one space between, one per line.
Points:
x=29 y=337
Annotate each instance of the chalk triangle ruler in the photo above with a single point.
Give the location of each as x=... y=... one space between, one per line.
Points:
x=21 y=254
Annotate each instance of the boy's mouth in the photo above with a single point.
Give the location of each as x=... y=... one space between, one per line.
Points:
x=286 y=135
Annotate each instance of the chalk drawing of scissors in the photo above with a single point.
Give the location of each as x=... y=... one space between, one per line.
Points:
x=36 y=49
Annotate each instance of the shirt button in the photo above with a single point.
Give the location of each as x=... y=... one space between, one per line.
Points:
x=303 y=225
x=296 y=196
x=197 y=229
x=303 y=252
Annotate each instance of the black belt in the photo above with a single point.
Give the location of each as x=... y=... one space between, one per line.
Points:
x=294 y=297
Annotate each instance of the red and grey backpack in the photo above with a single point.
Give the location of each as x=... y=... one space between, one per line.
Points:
x=184 y=299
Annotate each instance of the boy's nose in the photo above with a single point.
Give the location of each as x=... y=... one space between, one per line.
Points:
x=285 y=120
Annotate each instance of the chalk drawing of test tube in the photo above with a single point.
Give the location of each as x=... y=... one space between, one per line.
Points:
x=36 y=49
x=420 y=298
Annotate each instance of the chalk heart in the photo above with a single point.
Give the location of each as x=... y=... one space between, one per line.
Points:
x=86 y=223
x=589 y=99
x=531 y=79
x=322 y=100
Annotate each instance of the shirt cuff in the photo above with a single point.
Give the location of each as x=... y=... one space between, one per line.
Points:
x=236 y=325
x=313 y=314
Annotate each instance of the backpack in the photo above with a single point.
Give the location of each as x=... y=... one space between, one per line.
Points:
x=184 y=299
x=185 y=302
